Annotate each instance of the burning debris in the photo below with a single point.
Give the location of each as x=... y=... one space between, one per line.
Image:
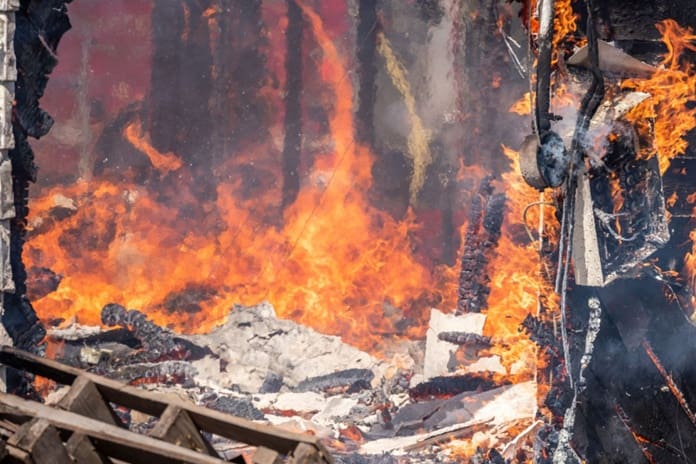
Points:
x=563 y=333
x=383 y=405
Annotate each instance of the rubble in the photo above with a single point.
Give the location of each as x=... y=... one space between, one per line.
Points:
x=438 y=352
x=254 y=343
x=260 y=368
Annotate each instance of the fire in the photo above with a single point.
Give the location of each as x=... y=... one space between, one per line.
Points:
x=330 y=260
x=565 y=21
x=337 y=264
x=164 y=162
x=690 y=265
x=523 y=106
x=673 y=87
x=517 y=283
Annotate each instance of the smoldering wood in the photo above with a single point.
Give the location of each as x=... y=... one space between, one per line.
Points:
x=465 y=338
x=445 y=387
x=39 y=28
x=240 y=407
x=612 y=242
x=482 y=235
x=346 y=380
x=157 y=342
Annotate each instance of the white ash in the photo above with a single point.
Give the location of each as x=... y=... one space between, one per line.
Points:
x=438 y=352
x=254 y=342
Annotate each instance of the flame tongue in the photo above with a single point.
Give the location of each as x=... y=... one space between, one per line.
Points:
x=338 y=264
x=672 y=88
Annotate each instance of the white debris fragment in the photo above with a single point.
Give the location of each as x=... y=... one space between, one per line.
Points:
x=487 y=364
x=513 y=403
x=335 y=407
x=301 y=402
x=439 y=352
x=75 y=332
x=254 y=342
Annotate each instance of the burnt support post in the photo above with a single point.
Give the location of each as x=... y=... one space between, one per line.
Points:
x=367 y=70
x=292 y=147
x=38 y=27
x=8 y=76
x=482 y=235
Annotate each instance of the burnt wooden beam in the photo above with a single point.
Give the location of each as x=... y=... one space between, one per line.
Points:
x=82 y=450
x=84 y=398
x=482 y=235
x=41 y=441
x=40 y=26
x=292 y=146
x=367 y=70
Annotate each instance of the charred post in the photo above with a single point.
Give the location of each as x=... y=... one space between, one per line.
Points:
x=292 y=147
x=482 y=235
x=367 y=70
x=39 y=28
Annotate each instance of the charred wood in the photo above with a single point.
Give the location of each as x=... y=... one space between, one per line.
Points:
x=157 y=343
x=482 y=235
x=39 y=28
x=465 y=338
x=349 y=380
x=161 y=373
x=292 y=146
x=446 y=387
x=272 y=383
x=240 y=407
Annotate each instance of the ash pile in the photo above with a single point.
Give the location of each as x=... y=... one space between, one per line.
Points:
x=421 y=402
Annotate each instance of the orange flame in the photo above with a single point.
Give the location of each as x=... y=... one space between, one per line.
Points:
x=332 y=261
x=672 y=87
x=163 y=162
x=338 y=264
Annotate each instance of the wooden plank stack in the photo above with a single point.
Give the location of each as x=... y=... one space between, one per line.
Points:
x=84 y=427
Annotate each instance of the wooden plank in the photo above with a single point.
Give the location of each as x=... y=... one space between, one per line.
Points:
x=266 y=456
x=305 y=454
x=16 y=455
x=175 y=426
x=82 y=450
x=42 y=441
x=84 y=398
x=3 y=450
x=44 y=367
x=212 y=421
x=109 y=440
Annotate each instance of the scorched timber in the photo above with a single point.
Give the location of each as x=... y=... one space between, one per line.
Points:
x=482 y=235
x=39 y=28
